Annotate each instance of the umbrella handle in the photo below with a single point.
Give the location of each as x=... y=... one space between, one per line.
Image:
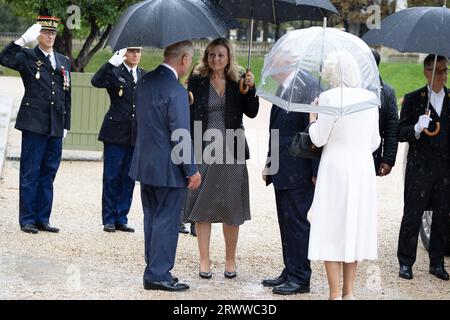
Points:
x=191 y=98
x=435 y=132
x=242 y=86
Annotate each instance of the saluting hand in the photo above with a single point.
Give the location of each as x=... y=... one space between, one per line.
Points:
x=118 y=57
x=30 y=35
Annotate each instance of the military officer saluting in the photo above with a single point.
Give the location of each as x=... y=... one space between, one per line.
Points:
x=43 y=118
x=118 y=133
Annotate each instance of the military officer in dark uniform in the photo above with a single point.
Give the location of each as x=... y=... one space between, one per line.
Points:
x=427 y=177
x=43 y=118
x=118 y=133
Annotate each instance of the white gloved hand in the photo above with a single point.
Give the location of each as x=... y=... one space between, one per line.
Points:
x=65 y=134
x=423 y=123
x=30 y=35
x=118 y=57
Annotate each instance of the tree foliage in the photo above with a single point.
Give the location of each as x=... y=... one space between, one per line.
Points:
x=97 y=18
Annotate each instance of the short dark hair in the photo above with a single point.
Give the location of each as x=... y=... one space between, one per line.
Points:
x=377 y=57
x=429 y=60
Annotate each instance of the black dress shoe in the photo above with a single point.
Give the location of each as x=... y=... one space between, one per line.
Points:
x=405 y=272
x=289 y=287
x=193 y=231
x=273 y=282
x=165 y=286
x=205 y=275
x=46 y=227
x=29 y=228
x=109 y=228
x=439 y=272
x=183 y=229
x=230 y=275
x=124 y=228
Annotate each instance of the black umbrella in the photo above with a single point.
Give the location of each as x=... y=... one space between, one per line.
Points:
x=160 y=23
x=276 y=11
x=418 y=29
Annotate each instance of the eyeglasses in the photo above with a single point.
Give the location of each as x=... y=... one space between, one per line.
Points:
x=439 y=72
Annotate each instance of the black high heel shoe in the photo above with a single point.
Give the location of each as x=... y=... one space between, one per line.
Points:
x=230 y=275
x=205 y=275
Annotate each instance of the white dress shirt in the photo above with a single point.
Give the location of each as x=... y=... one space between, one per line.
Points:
x=135 y=77
x=437 y=100
x=170 y=68
x=50 y=55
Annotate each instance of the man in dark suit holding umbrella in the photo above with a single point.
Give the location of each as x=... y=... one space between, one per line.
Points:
x=162 y=111
x=427 y=177
x=118 y=133
x=294 y=186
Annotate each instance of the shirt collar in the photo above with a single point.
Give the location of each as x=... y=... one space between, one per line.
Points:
x=440 y=94
x=170 y=68
x=46 y=53
x=128 y=67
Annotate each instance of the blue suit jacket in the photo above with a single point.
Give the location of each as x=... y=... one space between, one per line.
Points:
x=293 y=173
x=162 y=106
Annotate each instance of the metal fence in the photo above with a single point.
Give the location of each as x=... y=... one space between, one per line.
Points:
x=258 y=48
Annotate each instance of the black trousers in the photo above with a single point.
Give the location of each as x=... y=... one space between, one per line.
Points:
x=427 y=186
x=292 y=208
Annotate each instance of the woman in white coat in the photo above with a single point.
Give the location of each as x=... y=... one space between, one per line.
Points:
x=344 y=210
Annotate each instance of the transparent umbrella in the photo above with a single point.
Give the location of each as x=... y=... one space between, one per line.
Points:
x=304 y=63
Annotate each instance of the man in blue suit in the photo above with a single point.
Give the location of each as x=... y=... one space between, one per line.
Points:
x=294 y=190
x=162 y=112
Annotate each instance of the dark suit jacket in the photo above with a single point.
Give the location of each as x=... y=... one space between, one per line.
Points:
x=119 y=124
x=423 y=150
x=236 y=105
x=293 y=173
x=387 y=152
x=162 y=106
x=46 y=106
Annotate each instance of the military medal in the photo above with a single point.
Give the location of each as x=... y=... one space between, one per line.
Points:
x=38 y=73
x=66 y=76
x=121 y=91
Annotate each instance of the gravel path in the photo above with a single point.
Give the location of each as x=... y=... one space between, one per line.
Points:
x=83 y=262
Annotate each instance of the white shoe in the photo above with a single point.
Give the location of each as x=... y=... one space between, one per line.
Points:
x=338 y=298
x=349 y=297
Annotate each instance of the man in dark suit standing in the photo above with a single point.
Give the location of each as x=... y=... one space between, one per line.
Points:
x=294 y=190
x=384 y=156
x=118 y=133
x=43 y=118
x=427 y=177
x=162 y=111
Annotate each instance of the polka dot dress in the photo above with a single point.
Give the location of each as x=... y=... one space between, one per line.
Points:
x=224 y=193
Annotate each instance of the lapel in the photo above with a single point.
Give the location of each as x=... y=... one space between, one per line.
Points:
x=140 y=73
x=125 y=74
x=41 y=57
x=445 y=105
x=58 y=62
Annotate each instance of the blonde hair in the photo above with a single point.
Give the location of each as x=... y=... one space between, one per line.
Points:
x=232 y=70
x=340 y=69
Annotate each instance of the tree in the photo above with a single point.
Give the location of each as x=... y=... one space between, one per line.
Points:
x=96 y=17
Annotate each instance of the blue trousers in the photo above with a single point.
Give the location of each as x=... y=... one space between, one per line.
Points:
x=39 y=162
x=162 y=207
x=292 y=208
x=117 y=185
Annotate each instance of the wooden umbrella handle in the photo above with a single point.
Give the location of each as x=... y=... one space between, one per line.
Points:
x=435 y=132
x=191 y=98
